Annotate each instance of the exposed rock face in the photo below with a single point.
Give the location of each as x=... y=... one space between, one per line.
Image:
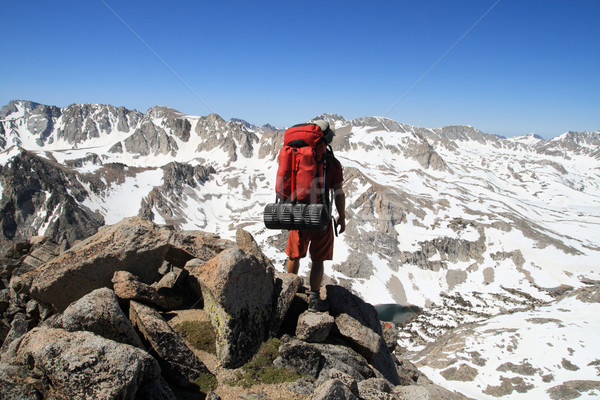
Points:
x=333 y=389
x=318 y=360
x=128 y=287
x=233 y=137
x=81 y=365
x=177 y=177
x=132 y=245
x=238 y=295
x=17 y=382
x=41 y=197
x=150 y=139
x=243 y=297
x=179 y=362
x=345 y=302
x=99 y=312
x=314 y=327
x=286 y=287
x=370 y=344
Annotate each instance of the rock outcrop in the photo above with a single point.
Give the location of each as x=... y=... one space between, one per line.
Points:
x=82 y=365
x=179 y=363
x=41 y=197
x=99 y=312
x=238 y=294
x=67 y=334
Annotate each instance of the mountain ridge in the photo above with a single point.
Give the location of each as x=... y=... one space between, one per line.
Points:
x=463 y=224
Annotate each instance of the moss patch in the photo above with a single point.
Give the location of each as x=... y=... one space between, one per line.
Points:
x=206 y=383
x=200 y=334
x=261 y=369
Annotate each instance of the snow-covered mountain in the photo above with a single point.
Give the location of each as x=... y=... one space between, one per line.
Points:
x=468 y=226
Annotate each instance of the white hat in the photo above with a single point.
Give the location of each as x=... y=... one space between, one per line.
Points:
x=328 y=132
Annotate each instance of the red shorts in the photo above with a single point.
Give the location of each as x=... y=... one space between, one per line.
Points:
x=321 y=244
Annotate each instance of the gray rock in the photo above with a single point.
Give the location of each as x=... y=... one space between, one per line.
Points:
x=375 y=389
x=333 y=389
x=39 y=186
x=390 y=334
x=18 y=327
x=158 y=389
x=408 y=372
x=238 y=296
x=179 y=363
x=346 y=379
x=300 y=356
x=127 y=287
x=171 y=279
x=249 y=246
x=20 y=383
x=42 y=254
x=150 y=139
x=4 y=300
x=314 y=327
x=427 y=391
x=286 y=287
x=99 y=312
x=344 y=302
x=82 y=365
x=572 y=389
x=132 y=245
x=212 y=396
x=368 y=343
x=177 y=180
x=344 y=359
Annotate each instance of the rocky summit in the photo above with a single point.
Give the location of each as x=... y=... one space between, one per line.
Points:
x=103 y=320
x=479 y=248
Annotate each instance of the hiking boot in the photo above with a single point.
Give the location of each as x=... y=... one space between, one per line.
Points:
x=315 y=304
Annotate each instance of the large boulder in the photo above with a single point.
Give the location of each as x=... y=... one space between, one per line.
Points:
x=179 y=363
x=319 y=360
x=99 y=312
x=345 y=302
x=128 y=287
x=301 y=357
x=314 y=326
x=238 y=294
x=286 y=287
x=82 y=365
x=246 y=242
x=19 y=326
x=17 y=382
x=133 y=245
x=333 y=389
x=369 y=344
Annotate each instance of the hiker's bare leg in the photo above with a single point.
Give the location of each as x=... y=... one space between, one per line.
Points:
x=316 y=276
x=293 y=265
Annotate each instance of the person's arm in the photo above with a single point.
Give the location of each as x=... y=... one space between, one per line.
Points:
x=339 y=198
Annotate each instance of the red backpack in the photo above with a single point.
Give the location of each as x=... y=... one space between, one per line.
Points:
x=302 y=201
x=301 y=163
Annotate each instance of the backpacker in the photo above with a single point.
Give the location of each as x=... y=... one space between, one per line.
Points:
x=302 y=201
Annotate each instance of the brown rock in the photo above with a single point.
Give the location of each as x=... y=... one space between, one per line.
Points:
x=179 y=363
x=133 y=245
x=99 y=312
x=314 y=327
x=369 y=344
x=238 y=296
x=82 y=365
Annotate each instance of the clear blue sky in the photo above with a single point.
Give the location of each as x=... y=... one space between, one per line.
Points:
x=527 y=66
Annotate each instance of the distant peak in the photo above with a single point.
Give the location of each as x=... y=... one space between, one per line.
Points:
x=331 y=118
x=18 y=108
x=163 y=112
x=242 y=122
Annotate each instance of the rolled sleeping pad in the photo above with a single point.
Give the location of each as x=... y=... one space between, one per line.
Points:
x=296 y=216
